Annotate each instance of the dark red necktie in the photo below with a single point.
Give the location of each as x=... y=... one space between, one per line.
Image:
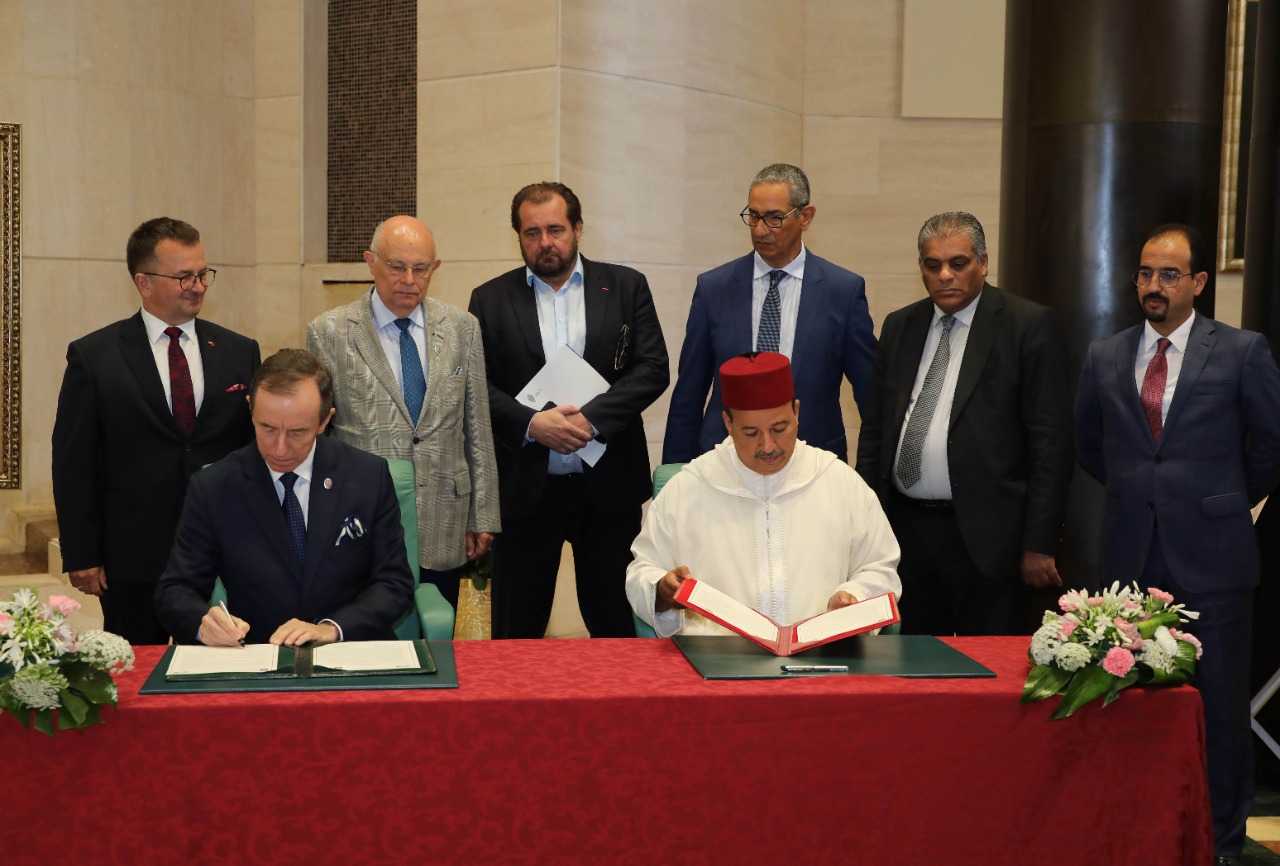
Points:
x=184 y=395
x=1153 y=383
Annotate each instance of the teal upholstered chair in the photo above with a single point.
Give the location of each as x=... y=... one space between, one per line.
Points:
x=431 y=616
x=661 y=476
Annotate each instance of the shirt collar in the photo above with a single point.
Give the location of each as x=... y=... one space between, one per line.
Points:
x=383 y=317
x=155 y=328
x=793 y=268
x=964 y=317
x=575 y=280
x=1178 y=338
x=302 y=470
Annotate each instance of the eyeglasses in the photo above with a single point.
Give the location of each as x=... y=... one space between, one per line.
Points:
x=1168 y=278
x=773 y=221
x=188 y=281
x=397 y=269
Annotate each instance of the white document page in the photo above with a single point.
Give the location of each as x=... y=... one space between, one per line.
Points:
x=566 y=380
x=252 y=659
x=844 y=619
x=367 y=655
x=747 y=619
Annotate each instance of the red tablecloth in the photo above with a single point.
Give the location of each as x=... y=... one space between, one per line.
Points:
x=612 y=751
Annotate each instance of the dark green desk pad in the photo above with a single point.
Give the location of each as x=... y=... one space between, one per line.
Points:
x=891 y=655
x=445 y=677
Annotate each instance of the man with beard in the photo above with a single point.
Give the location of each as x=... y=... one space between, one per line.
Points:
x=549 y=494
x=1180 y=418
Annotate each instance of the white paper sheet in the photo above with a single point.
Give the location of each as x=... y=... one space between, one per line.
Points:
x=729 y=609
x=566 y=380
x=841 y=620
x=251 y=659
x=367 y=655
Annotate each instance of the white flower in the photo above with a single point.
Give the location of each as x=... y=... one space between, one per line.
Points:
x=106 y=651
x=1153 y=654
x=1167 y=642
x=37 y=686
x=1072 y=656
x=1045 y=643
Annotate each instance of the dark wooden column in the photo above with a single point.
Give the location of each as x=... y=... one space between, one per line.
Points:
x=1262 y=221
x=1112 y=125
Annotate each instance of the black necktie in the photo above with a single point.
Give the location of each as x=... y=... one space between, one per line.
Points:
x=770 y=331
x=293 y=516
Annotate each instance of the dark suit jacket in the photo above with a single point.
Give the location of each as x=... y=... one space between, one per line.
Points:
x=615 y=297
x=1009 y=447
x=233 y=527
x=1219 y=453
x=834 y=339
x=120 y=463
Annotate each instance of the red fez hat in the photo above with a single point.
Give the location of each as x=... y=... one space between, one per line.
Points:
x=760 y=381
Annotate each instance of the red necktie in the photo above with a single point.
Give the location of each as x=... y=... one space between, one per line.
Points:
x=1153 y=383
x=184 y=395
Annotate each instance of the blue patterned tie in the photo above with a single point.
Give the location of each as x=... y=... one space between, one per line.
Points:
x=293 y=516
x=922 y=413
x=412 y=379
x=771 y=316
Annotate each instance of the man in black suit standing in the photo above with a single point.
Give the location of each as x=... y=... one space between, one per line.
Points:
x=145 y=403
x=549 y=492
x=304 y=531
x=967 y=440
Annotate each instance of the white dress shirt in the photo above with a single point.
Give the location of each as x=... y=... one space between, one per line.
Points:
x=389 y=336
x=788 y=294
x=1173 y=355
x=562 y=321
x=935 y=475
x=159 y=341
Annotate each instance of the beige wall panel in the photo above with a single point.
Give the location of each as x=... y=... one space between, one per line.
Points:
x=469 y=210
x=472 y=37
x=455 y=281
x=960 y=157
x=11 y=98
x=279 y=307
x=933 y=83
x=751 y=49
x=233 y=300
x=154 y=159
x=889 y=292
x=105 y=48
x=494 y=120
x=277 y=54
x=103 y=132
x=237 y=193
x=852 y=56
x=239 y=28
x=278 y=180
x=48 y=38
x=11 y=41
x=51 y=213
x=842 y=157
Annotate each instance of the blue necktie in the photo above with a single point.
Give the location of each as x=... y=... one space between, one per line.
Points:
x=293 y=516
x=412 y=379
x=771 y=316
x=922 y=413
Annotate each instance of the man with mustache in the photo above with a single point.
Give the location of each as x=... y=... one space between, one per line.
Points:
x=1180 y=418
x=773 y=522
x=549 y=493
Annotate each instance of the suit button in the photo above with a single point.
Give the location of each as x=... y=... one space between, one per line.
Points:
x=1159 y=459
x=1151 y=505
x=416 y=440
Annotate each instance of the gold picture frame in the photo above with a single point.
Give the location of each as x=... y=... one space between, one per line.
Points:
x=10 y=306
x=1236 y=119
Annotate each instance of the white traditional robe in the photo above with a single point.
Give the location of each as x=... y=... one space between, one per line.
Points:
x=781 y=543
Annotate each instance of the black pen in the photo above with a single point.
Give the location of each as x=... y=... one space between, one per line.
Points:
x=815 y=669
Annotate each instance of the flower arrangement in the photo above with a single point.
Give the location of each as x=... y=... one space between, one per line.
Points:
x=1105 y=642
x=45 y=666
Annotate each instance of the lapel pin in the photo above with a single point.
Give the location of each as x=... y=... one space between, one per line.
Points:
x=328 y=484
x=604 y=288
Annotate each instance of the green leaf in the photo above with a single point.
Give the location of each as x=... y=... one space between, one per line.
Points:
x=92 y=716
x=1147 y=628
x=95 y=685
x=1120 y=683
x=43 y=722
x=1044 y=681
x=1088 y=684
x=73 y=709
x=22 y=714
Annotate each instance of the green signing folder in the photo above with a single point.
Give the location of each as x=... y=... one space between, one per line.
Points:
x=730 y=657
x=296 y=672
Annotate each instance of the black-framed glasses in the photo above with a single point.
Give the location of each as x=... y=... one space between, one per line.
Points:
x=398 y=269
x=1166 y=277
x=188 y=281
x=772 y=220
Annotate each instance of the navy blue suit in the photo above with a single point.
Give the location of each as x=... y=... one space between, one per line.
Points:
x=834 y=339
x=1177 y=514
x=233 y=527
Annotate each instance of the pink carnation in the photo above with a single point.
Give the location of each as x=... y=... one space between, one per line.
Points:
x=5 y=621
x=1067 y=626
x=1130 y=604
x=1118 y=662
x=1067 y=602
x=63 y=605
x=1189 y=638
x=1166 y=597
x=1128 y=630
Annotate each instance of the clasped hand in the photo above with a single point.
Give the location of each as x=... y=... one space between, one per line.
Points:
x=563 y=429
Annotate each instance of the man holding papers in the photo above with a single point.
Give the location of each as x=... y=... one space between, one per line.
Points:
x=304 y=531
x=573 y=464
x=770 y=521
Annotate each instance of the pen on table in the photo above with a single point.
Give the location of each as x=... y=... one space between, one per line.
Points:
x=223 y=605
x=815 y=669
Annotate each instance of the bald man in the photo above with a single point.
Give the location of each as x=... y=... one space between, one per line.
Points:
x=409 y=383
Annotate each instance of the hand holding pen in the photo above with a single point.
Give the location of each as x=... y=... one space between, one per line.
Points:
x=219 y=628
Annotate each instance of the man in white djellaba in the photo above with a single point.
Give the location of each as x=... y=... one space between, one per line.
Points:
x=765 y=518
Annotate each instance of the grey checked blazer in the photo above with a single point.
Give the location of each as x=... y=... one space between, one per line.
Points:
x=451 y=446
